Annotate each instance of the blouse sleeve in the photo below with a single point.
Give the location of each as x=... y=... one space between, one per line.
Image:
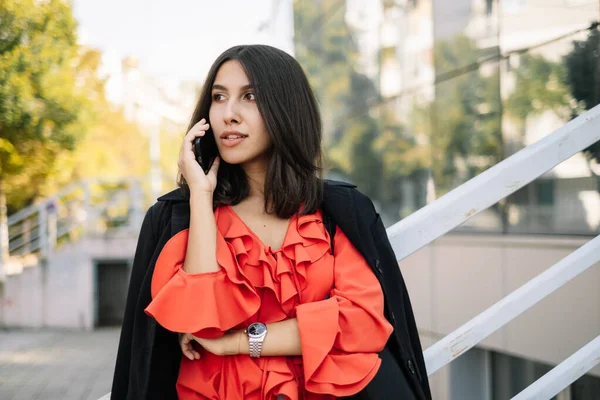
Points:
x=206 y=304
x=342 y=335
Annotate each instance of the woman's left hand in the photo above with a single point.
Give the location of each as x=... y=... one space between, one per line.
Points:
x=227 y=345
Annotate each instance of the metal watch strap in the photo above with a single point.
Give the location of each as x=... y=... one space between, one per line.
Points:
x=255 y=347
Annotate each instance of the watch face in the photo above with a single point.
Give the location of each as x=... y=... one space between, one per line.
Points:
x=257 y=329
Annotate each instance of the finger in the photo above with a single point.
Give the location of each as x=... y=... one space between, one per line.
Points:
x=189 y=138
x=199 y=128
x=187 y=347
x=189 y=353
x=199 y=123
x=183 y=345
x=195 y=354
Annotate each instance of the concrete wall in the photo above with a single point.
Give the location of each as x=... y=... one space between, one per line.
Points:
x=22 y=302
x=459 y=276
x=61 y=293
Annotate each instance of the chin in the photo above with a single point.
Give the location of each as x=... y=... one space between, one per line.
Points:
x=235 y=159
x=241 y=159
x=240 y=155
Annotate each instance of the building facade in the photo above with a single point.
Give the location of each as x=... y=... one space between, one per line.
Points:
x=427 y=94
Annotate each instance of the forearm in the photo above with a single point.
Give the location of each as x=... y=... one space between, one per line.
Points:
x=283 y=339
x=201 y=254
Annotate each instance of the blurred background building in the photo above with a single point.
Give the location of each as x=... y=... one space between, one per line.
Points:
x=426 y=94
x=421 y=94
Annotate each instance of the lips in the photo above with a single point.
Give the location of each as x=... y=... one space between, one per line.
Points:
x=230 y=135
x=232 y=138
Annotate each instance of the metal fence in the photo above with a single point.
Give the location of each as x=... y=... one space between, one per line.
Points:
x=85 y=208
x=456 y=207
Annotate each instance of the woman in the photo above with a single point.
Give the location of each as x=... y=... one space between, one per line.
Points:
x=241 y=288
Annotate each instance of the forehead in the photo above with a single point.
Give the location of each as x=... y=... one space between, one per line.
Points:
x=231 y=75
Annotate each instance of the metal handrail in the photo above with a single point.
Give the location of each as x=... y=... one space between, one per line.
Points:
x=505 y=310
x=32 y=209
x=479 y=193
x=451 y=210
x=42 y=225
x=567 y=372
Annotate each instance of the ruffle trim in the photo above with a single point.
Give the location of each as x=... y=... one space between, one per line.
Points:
x=244 y=261
x=282 y=271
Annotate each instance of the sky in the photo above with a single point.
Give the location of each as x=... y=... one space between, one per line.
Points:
x=173 y=38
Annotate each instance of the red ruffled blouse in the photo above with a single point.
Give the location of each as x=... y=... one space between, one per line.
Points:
x=336 y=299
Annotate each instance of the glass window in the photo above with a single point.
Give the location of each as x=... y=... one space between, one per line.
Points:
x=425 y=95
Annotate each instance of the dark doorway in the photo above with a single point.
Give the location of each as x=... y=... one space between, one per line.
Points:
x=112 y=279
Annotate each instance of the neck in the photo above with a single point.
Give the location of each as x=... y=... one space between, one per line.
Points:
x=256 y=174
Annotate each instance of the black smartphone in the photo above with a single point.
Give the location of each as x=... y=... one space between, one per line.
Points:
x=205 y=150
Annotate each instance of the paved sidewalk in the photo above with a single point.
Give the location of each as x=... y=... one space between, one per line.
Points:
x=56 y=365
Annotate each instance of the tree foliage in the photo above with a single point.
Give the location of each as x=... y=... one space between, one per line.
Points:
x=584 y=80
x=326 y=50
x=44 y=105
x=465 y=116
x=56 y=125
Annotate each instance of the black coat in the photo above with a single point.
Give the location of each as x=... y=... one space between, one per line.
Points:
x=148 y=356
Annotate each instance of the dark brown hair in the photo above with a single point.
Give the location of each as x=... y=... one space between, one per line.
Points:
x=289 y=110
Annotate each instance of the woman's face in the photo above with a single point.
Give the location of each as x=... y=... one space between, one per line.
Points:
x=239 y=130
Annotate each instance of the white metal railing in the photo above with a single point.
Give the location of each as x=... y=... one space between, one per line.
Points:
x=431 y=222
x=511 y=306
x=83 y=206
x=563 y=375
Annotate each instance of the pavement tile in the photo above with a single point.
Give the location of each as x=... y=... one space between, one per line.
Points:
x=56 y=365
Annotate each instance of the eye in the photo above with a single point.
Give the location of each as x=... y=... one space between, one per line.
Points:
x=250 y=96
x=218 y=96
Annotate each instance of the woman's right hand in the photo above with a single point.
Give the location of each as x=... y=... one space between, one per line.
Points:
x=189 y=167
x=186 y=342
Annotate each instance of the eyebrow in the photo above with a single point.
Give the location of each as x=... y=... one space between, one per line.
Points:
x=221 y=87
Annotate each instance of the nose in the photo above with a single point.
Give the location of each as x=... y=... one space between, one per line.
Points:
x=231 y=114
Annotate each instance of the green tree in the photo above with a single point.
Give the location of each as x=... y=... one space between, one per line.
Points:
x=465 y=117
x=466 y=133
x=353 y=150
x=108 y=140
x=43 y=103
x=568 y=88
x=325 y=48
x=539 y=86
x=581 y=74
x=583 y=78
x=363 y=138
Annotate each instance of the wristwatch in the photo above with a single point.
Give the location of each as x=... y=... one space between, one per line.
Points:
x=256 y=335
